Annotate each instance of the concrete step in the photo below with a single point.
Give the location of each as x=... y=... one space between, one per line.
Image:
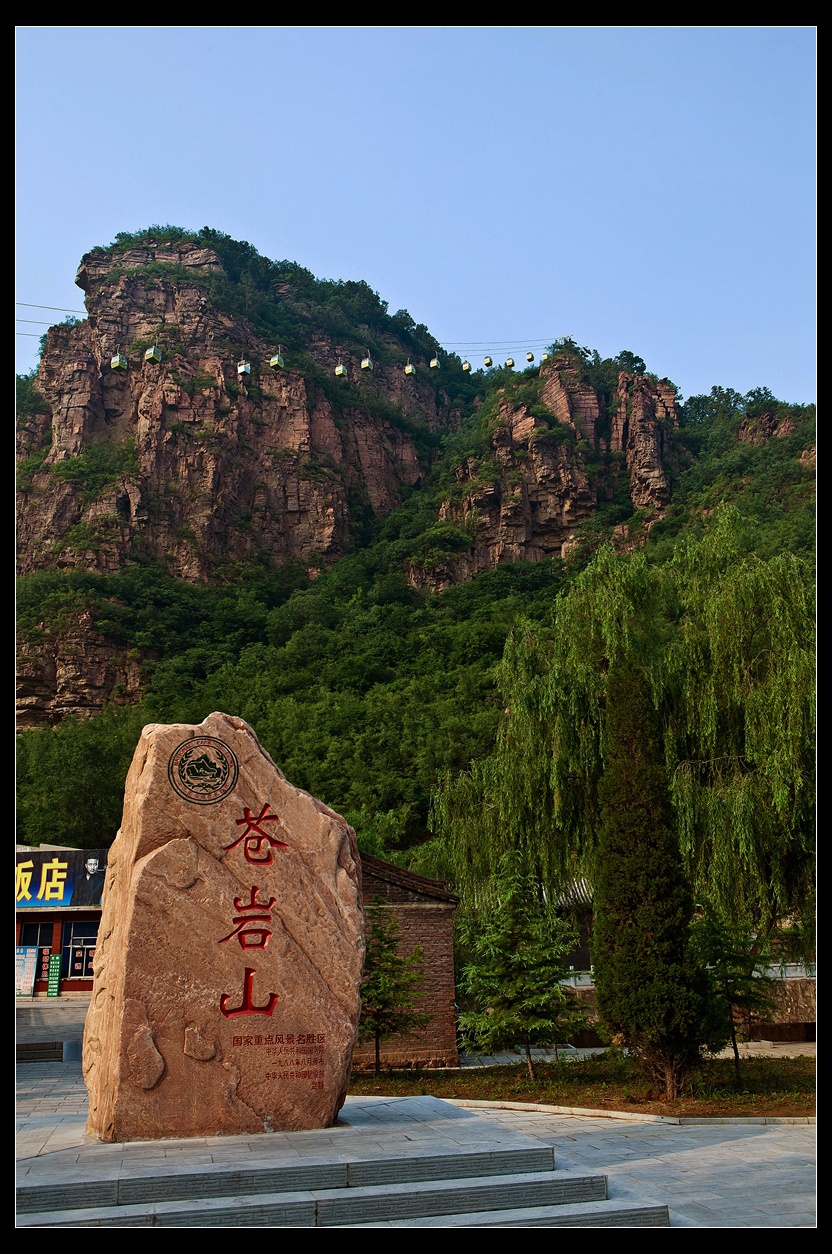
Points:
x=343 y=1207
x=217 y=1180
x=607 y=1214
x=40 y=1051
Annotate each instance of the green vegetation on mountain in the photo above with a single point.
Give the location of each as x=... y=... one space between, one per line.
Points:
x=485 y=702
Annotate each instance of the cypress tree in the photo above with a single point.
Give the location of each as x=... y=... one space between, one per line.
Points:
x=652 y=996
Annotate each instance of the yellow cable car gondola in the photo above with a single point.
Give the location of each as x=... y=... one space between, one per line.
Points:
x=243 y=368
x=434 y=363
x=118 y=361
x=153 y=354
x=340 y=370
x=510 y=362
x=409 y=368
x=466 y=366
x=487 y=361
x=529 y=356
x=276 y=361
x=544 y=356
x=367 y=362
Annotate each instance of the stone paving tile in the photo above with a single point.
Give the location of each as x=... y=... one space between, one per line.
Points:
x=711 y=1175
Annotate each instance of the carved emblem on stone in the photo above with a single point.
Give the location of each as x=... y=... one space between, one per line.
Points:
x=203 y=770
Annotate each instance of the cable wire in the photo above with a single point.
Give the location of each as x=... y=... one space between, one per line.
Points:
x=58 y=308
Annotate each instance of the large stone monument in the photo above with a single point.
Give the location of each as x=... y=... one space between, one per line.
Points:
x=228 y=967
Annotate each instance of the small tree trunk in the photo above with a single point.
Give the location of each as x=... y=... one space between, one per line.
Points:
x=378 y=1054
x=557 y=1059
x=529 y=1062
x=737 y=1075
x=673 y=1071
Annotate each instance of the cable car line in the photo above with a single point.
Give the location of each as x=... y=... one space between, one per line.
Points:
x=276 y=360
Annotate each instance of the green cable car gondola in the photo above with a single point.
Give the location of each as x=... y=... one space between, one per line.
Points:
x=340 y=370
x=118 y=361
x=544 y=356
x=243 y=368
x=486 y=361
x=434 y=363
x=410 y=369
x=466 y=366
x=367 y=362
x=276 y=361
x=153 y=354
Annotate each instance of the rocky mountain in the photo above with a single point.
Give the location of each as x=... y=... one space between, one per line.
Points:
x=191 y=462
x=156 y=433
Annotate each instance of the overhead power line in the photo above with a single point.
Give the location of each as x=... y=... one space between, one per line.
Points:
x=57 y=308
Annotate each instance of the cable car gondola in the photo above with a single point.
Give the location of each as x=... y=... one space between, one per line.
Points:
x=243 y=368
x=510 y=362
x=529 y=356
x=409 y=369
x=118 y=361
x=340 y=370
x=434 y=363
x=486 y=361
x=466 y=366
x=544 y=356
x=153 y=354
x=276 y=361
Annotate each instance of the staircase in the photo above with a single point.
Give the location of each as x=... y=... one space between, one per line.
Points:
x=482 y=1187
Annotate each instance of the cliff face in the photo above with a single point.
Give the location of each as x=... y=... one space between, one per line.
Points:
x=189 y=463
x=545 y=476
x=185 y=461
x=73 y=673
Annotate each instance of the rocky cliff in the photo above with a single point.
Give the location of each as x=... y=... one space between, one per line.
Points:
x=544 y=475
x=186 y=461
x=179 y=457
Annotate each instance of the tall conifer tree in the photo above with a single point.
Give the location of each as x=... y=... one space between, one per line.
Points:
x=651 y=995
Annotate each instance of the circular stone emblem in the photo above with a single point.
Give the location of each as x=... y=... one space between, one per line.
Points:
x=203 y=770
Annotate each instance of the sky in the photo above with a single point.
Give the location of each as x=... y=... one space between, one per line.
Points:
x=636 y=187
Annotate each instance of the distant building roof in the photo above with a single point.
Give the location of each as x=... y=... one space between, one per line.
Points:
x=395 y=884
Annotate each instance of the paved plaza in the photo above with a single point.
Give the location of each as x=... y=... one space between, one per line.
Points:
x=721 y=1175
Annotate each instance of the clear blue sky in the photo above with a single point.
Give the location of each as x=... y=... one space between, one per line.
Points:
x=649 y=188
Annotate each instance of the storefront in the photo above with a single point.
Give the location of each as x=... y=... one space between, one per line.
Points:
x=58 y=904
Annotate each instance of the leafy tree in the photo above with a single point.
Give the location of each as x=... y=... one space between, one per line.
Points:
x=737 y=969
x=71 y=779
x=725 y=641
x=518 y=950
x=652 y=995
x=391 y=985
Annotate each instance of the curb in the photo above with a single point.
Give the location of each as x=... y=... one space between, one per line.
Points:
x=634 y=1117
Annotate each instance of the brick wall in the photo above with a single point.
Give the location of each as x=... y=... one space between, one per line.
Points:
x=434 y=1045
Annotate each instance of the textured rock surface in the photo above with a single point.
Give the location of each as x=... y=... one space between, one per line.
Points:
x=228 y=968
x=72 y=673
x=525 y=503
x=222 y=469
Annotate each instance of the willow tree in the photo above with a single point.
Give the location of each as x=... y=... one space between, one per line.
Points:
x=724 y=640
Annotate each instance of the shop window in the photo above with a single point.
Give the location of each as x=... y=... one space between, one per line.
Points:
x=78 y=950
x=40 y=935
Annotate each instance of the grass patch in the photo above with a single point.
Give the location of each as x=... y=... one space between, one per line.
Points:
x=771 y=1086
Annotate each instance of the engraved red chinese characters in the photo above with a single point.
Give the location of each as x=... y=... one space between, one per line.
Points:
x=252 y=912
x=263 y=842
